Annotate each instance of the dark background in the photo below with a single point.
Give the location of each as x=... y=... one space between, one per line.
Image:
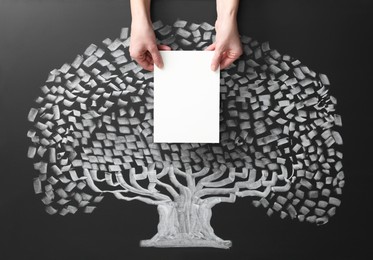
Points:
x=331 y=37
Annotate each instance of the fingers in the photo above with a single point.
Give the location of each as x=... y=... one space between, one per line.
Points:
x=211 y=47
x=226 y=62
x=164 y=47
x=154 y=57
x=222 y=58
x=139 y=56
x=150 y=62
x=157 y=58
x=146 y=58
x=216 y=59
x=146 y=62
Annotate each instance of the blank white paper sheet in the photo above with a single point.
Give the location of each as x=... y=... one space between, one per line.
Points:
x=186 y=98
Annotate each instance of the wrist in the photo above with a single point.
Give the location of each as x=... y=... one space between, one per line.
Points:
x=226 y=24
x=227 y=9
x=141 y=23
x=226 y=19
x=227 y=16
x=140 y=12
x=141 y=18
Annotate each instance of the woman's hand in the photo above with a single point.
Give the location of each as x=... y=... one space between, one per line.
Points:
x=227 y=45
x=143 y=45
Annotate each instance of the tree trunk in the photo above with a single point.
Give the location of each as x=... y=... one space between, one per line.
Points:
x=185 y=224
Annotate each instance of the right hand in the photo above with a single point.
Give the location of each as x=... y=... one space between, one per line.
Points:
x=227 y=45
x=143 y=46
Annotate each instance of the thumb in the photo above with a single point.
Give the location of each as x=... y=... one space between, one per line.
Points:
x=216 y=60
x=157 y=58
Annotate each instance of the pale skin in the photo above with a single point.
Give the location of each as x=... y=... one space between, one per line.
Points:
x=145 y=50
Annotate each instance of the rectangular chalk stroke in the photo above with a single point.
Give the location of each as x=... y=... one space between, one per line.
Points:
x=186 y=98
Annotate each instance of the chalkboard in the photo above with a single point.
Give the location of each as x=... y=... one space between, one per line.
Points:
x=36 y=36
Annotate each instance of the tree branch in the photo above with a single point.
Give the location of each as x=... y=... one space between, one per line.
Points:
x=215 y=191
x=118 y=193
x=257 y=193
x=188 y=176
x=90 y=181
x=109 y=179
x=174 y=180
x=141 y=191
x=216 y=175
x=230 y=179
x=202 y=172
x=283 y=188
x=251 y=183
x=166 y=167
x=153 y=178
x=141 y=176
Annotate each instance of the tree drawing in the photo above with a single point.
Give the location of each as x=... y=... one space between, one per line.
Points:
x=91 y=137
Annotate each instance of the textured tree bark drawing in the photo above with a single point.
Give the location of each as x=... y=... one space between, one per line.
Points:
x=91 y=137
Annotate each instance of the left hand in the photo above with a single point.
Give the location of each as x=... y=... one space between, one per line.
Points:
x=227 y=45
